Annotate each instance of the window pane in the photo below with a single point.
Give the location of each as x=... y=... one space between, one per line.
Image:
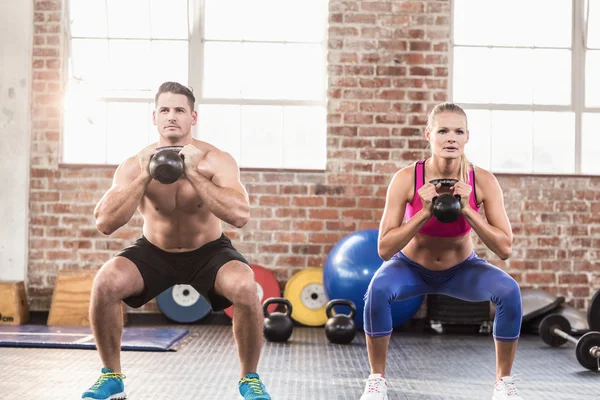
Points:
x=169 y=19
x=128 y=18
x=263 y=75
x=220 y=126
x=556 y=27
x=554 y=142
x=304 y=137
x=472 y=22
x=88 y=18
x=512 y=74
x=471 y=75
x=592 y=78
x=305 y=71
x=220 y=22
x=90 y=60
x=512 y=139
x=169 y=62
x=262 y=137
x=306 y=20
x=129 y=65
x=263 y=20
x=152 y=130
x=84 y=140
x=552 y=77
x=478 y=149
x=222 y=70
x=593 y=39
x=511 y=22
x=127 y=130
x=590 y=153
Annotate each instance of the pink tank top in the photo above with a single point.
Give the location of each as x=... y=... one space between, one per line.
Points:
x=433 y=227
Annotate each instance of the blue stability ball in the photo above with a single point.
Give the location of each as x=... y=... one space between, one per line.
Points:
x=348 y=270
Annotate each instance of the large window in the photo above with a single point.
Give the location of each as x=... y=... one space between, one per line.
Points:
x=525 y=71
x=257 y=69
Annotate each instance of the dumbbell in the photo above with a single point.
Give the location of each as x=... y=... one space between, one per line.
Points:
x=553 y=331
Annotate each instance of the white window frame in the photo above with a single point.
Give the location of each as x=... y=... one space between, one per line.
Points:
x=577 y=106
x=196 y=39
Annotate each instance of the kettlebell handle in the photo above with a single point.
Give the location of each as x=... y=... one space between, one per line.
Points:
x=444 y=182
x=176 y=149
x=277 y=300
x=340 y=302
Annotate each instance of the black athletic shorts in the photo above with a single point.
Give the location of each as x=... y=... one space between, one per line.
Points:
x=162 y=269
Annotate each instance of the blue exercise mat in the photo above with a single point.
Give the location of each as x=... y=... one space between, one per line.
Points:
x=66 y=337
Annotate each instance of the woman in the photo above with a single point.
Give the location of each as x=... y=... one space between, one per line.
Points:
x=423 y=255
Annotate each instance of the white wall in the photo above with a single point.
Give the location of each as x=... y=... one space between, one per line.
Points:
x=16 y=38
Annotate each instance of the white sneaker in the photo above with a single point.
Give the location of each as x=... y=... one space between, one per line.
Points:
x=376 y=388
x=505 y=389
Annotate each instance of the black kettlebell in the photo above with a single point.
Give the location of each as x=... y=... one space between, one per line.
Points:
x=277 y=326
x=166 y=166
x=340 y=328
x=446 y=207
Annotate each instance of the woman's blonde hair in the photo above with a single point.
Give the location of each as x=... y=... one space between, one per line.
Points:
x=451 y=108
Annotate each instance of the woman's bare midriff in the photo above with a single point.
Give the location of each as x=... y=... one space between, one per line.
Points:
x=438 y=253
x=175 y=219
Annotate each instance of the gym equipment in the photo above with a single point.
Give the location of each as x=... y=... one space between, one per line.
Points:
x=183 y=304
x=348 y=270
x=71 y=298
x=306 y=293
x=266 y=286
x=66 y=337
x=278 y=326
x=537 y=302
x=14 y=308
x=166 y=166
x=446 y=207
x=340 y=328
x=553 y=331
x=594 y=312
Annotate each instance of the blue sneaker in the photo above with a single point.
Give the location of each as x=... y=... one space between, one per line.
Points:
x=108 y=387
x=251 y=388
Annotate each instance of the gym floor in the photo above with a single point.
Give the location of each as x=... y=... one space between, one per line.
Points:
x=421 y=366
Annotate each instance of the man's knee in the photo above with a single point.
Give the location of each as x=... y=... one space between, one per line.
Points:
x=239 y=286
x=116 y=280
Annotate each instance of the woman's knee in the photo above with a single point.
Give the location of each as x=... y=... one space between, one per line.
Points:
x=507 y=297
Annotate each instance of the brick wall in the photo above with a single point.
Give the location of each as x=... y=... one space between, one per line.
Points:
x=388 y=65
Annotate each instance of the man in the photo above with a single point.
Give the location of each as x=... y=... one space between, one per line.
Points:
x=182 y=243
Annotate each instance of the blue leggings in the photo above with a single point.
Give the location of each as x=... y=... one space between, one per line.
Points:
x=472 y=280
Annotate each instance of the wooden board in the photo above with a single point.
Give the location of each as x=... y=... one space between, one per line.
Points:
x=71 y=299
x=14 y=309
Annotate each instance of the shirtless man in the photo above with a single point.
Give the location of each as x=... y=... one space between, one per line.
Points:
x=182 y=243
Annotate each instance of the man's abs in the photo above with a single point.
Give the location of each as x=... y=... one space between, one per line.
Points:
x=176 y=219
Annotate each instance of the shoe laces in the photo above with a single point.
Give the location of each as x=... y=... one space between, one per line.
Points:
x=374 y=385
x=254 y=384
x=510 y=386
x=106 y=376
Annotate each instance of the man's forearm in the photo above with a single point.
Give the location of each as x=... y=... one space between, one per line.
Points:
x=115 y=210
x=225 y=203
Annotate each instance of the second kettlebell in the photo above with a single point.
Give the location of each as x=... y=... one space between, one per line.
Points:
x=340 y=328
x=277 y=326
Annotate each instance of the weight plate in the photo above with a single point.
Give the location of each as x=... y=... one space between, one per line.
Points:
x=306 y=292
x=266 y=286
x=584 y=345
x=551 y=322
x=594 y=312
x=182 y=303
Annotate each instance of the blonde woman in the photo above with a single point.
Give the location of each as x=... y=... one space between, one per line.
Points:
x=423 y=255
